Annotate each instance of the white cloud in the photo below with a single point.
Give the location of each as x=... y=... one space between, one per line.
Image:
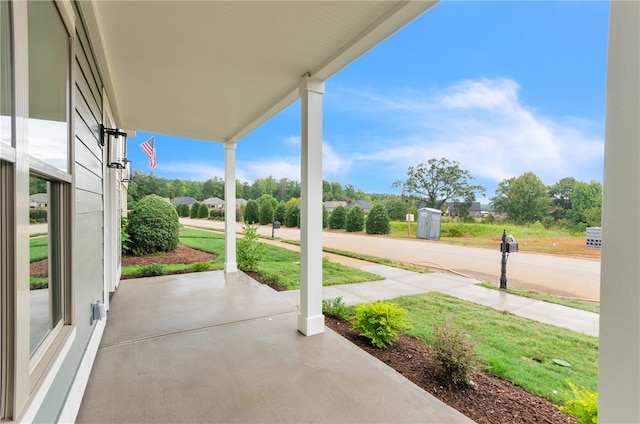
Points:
x=482 y=124
x=195 y=171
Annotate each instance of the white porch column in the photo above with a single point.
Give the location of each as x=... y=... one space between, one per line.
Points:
x=619 y=368
x=230 y=264
x=311 y=320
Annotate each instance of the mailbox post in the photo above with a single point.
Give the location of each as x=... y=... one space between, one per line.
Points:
x=508 y=245
x=274 y=225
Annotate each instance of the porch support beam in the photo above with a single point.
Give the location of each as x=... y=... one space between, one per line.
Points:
x=310 y=319
x=230 y=264
x=619 y=354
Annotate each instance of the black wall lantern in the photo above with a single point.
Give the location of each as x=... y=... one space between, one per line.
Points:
x=116 y=142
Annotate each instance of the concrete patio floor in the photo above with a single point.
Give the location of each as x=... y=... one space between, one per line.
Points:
x=210 y=347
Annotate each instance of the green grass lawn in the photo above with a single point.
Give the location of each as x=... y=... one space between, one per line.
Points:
x=559 y=300
x=38 y=248
x=278 y=261
x=515 y=348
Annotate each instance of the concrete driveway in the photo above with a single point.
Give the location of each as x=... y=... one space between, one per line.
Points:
x=563 y=276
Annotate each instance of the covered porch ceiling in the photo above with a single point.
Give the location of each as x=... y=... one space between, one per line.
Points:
x=216 y=70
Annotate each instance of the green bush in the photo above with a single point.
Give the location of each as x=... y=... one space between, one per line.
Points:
x=216 y=213
x=583 y=406
x=183 y=210
x=271 y=280
x=336 y=308
x=153 y=226
x=266 y=213
x=199 y=267
x=355 y=219
x=203 y=211
x=452 y=232
x=338 y=218
x=292 y=216
x=280 y=212
x=454 y=351
x=125 y=239
x=252 y=212
x=195 y=208
x=249 y=251
x=325 y=217
x=377 y=221
x=380 y=322
x=38 y=214
x=153 y=270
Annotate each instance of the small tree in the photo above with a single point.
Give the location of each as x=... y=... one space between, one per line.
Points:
x=153 y=226
x=338 y=218
x=377 y=220
x=251 y=212
x=266 y=213
x=195 y=208
x=292 y=216
x=355 y=219
x=203 y=211
x=249 y=250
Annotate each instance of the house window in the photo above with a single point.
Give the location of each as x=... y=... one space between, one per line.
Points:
x=49 y=71
x=49 y=165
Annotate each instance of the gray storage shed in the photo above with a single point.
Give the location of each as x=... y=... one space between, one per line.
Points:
x=429 y=223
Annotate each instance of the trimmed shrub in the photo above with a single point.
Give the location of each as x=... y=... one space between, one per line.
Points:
x=249 y=250
x=292 y=216
x=377 y=221
x=338 y=218
x=454 y=351
x=280 y=212
x=325 y=217
x=216 y=213
x=355 y=219
x=380 y=322
x=153 y=226
x=203 y=211
x=38 y=214
x=583 y=406
x=195 y=208
x=266 y=213
x=252 y=212
x=183 y=210
x=199 y=267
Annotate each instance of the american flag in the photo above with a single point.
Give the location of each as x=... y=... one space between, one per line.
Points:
x=149 y=149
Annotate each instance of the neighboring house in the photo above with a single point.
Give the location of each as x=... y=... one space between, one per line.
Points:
x=475 y=210
x=240 y=202
x=183 y=201
x=38 y=200
x=102 y=72
x=332 y=205
x=213 y=202
x=366 y=206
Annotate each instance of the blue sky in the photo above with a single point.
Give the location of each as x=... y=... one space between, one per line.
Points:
x=501 y=87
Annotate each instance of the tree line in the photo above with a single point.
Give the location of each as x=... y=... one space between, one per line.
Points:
x=437 y=183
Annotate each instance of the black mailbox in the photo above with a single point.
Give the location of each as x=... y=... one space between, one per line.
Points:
x=509 y=245
x=276 y=224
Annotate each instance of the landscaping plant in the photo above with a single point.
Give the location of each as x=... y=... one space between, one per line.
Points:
x=377 y=221
x=153 y=226
x=355 y=219
x=583 y=406
x=152 y=270
x=338 y=218
x=336 y=308
x=249 y=251
x=380 y=322
x=455 y=353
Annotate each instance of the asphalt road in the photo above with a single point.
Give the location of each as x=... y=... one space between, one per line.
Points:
x=559 y=275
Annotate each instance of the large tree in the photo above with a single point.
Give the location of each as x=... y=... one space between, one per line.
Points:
x=438 y=181
x=560 y=194
x=586 y=204
x=523 y=199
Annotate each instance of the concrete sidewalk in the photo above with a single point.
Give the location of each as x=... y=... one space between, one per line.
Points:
x=399 y=282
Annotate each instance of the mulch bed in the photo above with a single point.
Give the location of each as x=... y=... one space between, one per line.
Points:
x=491 y=400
